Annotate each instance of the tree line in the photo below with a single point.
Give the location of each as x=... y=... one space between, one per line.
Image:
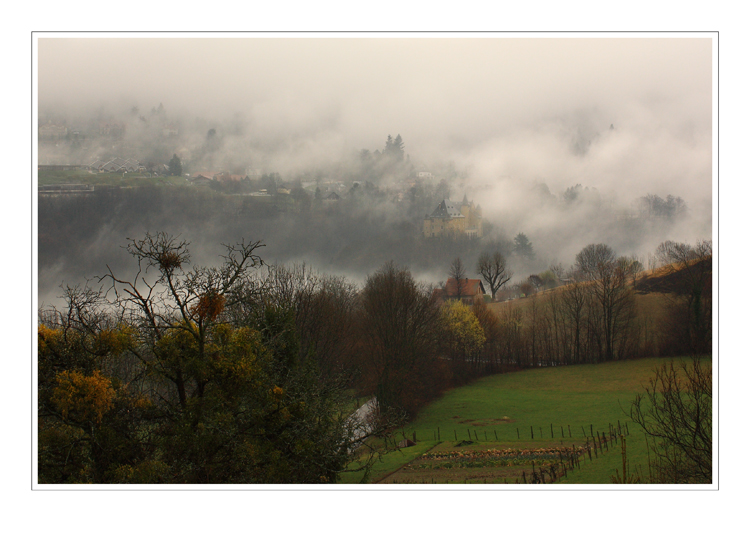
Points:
x=593 y=316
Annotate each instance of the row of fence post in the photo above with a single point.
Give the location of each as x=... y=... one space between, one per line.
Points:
x=612 y=431
x=554 y=471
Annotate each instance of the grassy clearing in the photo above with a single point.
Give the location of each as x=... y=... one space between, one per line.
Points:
x=500 y=412
x=83 y=177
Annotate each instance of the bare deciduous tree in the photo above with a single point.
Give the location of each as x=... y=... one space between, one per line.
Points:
x=675 y=412
x=614 y=309
x=457 y=272
x=399 y=331
x=558 y=270
x=593 y=259
x=494 y=270
x=575 y=304
x=324 y=308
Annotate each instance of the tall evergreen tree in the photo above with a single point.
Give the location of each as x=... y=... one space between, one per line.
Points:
x=394 y=148
x=175 y=166
x=398 y=147
x=522 y=246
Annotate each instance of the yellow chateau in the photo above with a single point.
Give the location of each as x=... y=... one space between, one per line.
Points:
x=454 y=219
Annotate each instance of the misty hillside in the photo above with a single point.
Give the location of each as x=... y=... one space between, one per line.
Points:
x=80 y=234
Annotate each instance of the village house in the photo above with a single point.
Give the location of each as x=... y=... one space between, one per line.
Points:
x=471 y=291
x=227 y=176
x=454 y=219
x=205 y=175
x=200 y=179
x=332 y=198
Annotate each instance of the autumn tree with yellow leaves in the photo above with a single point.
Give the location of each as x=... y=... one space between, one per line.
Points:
x=184 y=374
x=464 y=333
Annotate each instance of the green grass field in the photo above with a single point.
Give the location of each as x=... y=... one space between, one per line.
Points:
x=499 y=412
x=83 y=177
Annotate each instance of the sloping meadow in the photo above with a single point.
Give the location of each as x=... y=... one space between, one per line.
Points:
x=547 y=425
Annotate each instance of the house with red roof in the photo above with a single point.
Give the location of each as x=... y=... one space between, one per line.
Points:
x=468 y=290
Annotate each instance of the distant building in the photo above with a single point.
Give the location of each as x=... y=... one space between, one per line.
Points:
x=170 y=130
x=227 y=176
x=454 y=219
x=117 y=164
x=114 y=129
x=471 y=291
x=208 y=174
x=200 y=179
x=52 y=132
